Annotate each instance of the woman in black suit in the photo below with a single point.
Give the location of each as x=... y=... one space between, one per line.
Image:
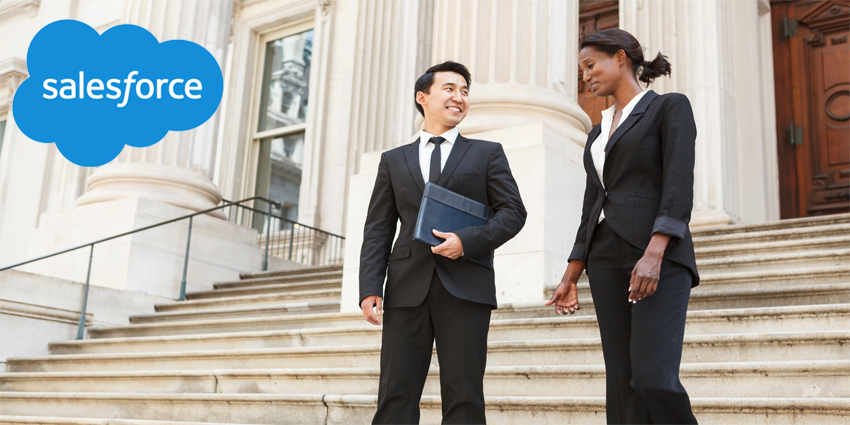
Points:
x=634 y=237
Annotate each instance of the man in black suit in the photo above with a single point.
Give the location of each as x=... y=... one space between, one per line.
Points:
x=442 y=293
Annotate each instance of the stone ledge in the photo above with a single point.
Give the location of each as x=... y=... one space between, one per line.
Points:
x=34 y=311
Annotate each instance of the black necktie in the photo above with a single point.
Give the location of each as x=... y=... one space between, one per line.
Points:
x=434 y=175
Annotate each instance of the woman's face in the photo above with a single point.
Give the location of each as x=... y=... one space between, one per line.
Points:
x=601 y=72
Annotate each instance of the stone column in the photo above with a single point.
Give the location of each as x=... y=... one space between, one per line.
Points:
x=178 y=169
x=736 y=176
x=523 y=58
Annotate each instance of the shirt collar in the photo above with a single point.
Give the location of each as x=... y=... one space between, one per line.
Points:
x=628 y=109
x=450 y=137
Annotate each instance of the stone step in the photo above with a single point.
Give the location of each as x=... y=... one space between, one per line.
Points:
x=260 y=281
x=301 y=271
x=285 y=309
x=757 y=278
x=280 y=288
x=707 y=298
x=752 y=249
x=823 y=220
x=795 y=261
x=351 y=329
x=44 y=420
x=324 y=295
x=773 y=235
x=350 y=409
x=761 y=379
x=820 y=345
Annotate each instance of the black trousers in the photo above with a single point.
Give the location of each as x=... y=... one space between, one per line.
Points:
x=460 y=329
x=642 y=342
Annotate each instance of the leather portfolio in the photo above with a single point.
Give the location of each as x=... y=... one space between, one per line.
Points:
x=447 y=211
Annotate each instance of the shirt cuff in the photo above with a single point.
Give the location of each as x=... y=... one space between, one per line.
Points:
x=578 y=252
x=672 y=227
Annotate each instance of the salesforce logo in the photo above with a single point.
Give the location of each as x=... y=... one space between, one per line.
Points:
x=92 y=93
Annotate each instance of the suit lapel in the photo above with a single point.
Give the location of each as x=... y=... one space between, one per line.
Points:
x=411 y=153
x=633 y=118
x=460 y=147
x=589 y=167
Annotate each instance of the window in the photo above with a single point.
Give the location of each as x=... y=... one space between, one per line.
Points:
x=281 y=121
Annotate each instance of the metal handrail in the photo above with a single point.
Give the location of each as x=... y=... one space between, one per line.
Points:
x=227 y=204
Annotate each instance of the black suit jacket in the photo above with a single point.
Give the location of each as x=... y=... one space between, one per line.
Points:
x=476 y=169
x=649 y=179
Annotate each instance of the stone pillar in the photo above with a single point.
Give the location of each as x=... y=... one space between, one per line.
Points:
x=178 y=169
x=736 y=176
x=523 y=58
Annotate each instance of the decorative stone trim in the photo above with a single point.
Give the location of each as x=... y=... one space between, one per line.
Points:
x=13 y=72
x=9 y=8
x=764 y=7
x=34 y=311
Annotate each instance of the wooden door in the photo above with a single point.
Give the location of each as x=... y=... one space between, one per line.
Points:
x=594 y=16
x=812 y=76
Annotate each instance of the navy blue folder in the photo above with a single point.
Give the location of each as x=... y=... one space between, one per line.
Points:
x=447 y=211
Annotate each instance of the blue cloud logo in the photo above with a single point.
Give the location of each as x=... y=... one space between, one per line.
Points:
x=91 y=94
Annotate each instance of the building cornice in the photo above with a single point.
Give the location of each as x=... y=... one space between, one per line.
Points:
x=9 y=8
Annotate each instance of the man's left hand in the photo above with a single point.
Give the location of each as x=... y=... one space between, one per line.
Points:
x=451 y=248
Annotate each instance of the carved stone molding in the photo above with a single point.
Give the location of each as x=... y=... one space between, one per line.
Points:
x=764 y=7
x=10 y=8
x=13 y=72
x=325 y=6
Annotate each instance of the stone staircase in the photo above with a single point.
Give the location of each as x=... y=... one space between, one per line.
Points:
x=767 y=341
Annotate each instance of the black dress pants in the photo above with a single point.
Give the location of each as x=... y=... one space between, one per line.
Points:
x=460 y=329
x=642 y=342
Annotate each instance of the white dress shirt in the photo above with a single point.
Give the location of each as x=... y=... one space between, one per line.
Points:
x=426 y=149
x=597 y=149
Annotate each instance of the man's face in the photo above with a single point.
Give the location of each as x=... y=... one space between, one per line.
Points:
x=447 y=103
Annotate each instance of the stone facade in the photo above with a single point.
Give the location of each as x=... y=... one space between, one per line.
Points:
x=365 y=56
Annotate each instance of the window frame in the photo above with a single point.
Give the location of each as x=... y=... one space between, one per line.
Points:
x=255 y=137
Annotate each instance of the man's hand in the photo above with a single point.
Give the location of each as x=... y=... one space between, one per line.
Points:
x=565 y=297
x=367 y=305
x=451 y=248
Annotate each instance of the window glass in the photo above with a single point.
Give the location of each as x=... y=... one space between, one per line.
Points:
x=286 y=80
x=279 y=172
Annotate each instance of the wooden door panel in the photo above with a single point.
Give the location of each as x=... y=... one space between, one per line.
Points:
x=824 y=44
x=813 y=92
x=595 y=16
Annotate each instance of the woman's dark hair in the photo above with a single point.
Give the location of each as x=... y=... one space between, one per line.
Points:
x=424 y=83
x=613 y=40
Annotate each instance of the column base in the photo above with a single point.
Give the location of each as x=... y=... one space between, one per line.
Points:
x=171 y=185
x=709 y=218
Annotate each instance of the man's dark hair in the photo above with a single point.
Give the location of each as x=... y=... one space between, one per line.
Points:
x=424 y=83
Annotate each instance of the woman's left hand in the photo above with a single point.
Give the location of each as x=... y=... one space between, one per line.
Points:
x=647 y=271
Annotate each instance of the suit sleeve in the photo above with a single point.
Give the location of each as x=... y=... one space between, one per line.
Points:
x=378 y=234
x=503 y=194
x=678 y=139
x=580 y=245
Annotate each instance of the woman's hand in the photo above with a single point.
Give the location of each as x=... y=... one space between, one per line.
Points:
x=647 y=271
x=565 y=297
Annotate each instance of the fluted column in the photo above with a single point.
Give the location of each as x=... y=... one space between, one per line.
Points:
x=523 y=58
x=706 y=42
x=178 y=169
